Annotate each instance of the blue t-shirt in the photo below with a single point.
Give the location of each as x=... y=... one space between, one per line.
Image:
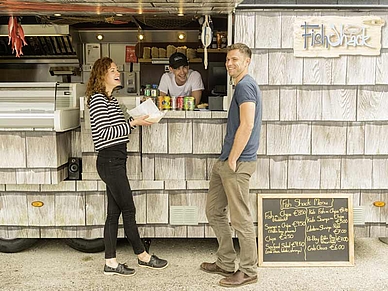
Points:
x=246 y=90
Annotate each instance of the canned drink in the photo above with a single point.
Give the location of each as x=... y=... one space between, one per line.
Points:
x=166 y=103
x=147 y=90
x=179 y=103
x=173 y=103
x=189 y=103
x=160 y=102
x=154 y=90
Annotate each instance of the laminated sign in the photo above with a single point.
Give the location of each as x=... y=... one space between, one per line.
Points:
x=333 y=36
x=130 y=55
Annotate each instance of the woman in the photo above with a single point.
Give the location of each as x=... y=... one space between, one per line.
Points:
x=110 y=136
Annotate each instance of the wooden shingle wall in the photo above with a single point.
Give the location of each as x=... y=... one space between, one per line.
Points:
x=326 y=119
x=32 y=157
x=325 y=126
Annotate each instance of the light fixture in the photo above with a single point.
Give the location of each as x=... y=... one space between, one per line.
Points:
x=140 y=36
x=100 y=36
x=181 y=36
x=119 y=14
x=181 y=14
x=57 y=14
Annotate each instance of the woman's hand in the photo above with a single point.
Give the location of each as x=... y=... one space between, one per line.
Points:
x=140 y=120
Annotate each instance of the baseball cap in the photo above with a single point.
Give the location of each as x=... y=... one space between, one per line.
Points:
x=178 y=59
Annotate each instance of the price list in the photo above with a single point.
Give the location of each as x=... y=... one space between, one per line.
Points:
x=312 y=229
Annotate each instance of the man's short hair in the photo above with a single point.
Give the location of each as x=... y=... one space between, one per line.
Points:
x=243 y=48
x=177 y=60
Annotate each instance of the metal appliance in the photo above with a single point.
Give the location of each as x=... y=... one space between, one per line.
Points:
x=40 y=105
x=130 y=72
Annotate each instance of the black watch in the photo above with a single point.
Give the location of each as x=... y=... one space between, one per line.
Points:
x=129 y=122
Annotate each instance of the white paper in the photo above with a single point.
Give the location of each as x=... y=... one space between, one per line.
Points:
x=147 y=108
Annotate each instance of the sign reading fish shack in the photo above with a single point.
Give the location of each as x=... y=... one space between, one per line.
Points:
x=333 y=36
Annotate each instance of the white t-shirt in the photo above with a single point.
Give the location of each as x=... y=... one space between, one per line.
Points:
x=168 y=85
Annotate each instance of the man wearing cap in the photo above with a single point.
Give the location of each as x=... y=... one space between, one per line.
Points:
x=181 y=81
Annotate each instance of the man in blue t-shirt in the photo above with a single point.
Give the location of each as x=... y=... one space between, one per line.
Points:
x=229 y=182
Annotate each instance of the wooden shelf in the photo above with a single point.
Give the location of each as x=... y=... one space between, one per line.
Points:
x=144 y=60
x=195 y=60
x=210 y=50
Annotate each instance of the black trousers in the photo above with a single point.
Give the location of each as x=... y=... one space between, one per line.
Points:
x=112 y=170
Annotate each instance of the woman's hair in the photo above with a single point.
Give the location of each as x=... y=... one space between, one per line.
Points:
x=243 y=48
x=96 y=83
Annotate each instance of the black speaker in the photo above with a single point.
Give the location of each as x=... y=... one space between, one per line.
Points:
x=75 y=168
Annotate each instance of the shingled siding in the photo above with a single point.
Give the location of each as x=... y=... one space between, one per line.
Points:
x=325 y=122
x=326 y=119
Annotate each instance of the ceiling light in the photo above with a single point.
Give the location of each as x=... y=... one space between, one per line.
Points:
x=181 y=14
x=100 y=36
x=140 y=36
x=119 y=14
x=181 y=36
x=57 y=14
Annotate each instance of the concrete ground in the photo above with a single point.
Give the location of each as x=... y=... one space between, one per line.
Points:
x=52 y=265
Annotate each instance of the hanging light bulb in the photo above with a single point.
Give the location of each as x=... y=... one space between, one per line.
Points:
x=181 y=36
x=140 y=36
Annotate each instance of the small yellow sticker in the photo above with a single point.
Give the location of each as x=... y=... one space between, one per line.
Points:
x=37 y=203
x=379 y=203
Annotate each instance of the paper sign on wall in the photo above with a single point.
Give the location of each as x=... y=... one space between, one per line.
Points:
x=130 y=55
x=332 y=36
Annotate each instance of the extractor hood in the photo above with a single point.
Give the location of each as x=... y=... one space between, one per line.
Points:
x=50 y=44
x=39 y=30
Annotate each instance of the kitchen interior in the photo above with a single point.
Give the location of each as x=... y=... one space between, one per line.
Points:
x=62 y=49
x=44 y=126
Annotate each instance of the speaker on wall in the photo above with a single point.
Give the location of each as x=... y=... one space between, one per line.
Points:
x=75 y=168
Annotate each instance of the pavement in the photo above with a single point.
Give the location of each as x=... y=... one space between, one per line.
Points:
x=52 y=265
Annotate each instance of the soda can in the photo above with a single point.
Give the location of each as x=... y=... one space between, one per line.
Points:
x=154 y=91
x=160 y=102
x=147 y=90
x=179 y=103
x=166 y=103
x=173 y=103
x=189 y=103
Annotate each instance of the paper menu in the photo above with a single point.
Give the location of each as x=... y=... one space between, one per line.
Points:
x=147 y=108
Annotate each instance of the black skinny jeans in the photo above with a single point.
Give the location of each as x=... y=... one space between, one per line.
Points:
x=112 y=170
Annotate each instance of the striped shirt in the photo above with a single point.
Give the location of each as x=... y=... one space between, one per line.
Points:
x=109 y=126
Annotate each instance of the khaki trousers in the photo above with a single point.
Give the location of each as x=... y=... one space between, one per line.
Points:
x=228 y=188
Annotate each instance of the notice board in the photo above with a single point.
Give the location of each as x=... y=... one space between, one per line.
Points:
x=305 y=230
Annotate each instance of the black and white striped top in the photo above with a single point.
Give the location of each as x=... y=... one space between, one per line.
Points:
x=109 y=126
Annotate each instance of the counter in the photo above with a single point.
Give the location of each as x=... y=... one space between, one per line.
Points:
x=168 y=166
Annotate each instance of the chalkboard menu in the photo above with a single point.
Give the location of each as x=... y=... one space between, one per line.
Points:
x=305 y=229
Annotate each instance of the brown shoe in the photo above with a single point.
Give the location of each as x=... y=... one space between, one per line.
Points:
x=237 y=279
x=214 y=269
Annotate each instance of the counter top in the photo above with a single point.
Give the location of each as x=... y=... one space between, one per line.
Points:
x=196 y=114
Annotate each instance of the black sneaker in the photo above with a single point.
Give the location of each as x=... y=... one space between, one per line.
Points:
x=121 y=269
x=154 y=263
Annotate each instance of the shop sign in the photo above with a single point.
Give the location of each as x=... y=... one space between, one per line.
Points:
x=332 y=36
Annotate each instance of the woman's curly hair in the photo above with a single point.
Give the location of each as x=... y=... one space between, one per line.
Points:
x=96 y=83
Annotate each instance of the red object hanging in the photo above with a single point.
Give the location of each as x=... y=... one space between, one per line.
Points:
x=16 y=36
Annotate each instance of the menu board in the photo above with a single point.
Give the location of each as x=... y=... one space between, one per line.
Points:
x=305 y=230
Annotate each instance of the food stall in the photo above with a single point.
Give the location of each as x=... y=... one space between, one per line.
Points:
x=324 y=122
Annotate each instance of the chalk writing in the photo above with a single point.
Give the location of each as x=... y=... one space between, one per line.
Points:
x=305 y=229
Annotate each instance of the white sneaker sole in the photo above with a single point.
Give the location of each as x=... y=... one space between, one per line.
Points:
x=144 y=266
x=113 y=273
